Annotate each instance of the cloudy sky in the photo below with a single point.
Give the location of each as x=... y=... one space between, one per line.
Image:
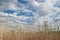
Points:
x=30 y=11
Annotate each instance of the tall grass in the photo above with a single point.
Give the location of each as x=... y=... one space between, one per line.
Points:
x=21 y=35
x=1 y=33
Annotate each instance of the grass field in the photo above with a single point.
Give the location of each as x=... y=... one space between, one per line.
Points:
x=13 y=35
x=22 y=35
x=1 y=33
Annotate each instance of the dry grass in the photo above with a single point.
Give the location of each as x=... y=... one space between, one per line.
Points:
x=21 y=35
x=13 y=35
x=1 y=33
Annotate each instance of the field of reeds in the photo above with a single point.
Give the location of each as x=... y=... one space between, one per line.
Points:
x=1 y=33
x=14 y=35
x=21 y=34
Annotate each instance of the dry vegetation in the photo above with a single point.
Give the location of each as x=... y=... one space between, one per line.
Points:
x=13 y=35
x=1 y=33
x=21 y=34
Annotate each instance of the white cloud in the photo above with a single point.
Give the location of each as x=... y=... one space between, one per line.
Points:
x=12 y=6
x=42 y=13
x=8 y=4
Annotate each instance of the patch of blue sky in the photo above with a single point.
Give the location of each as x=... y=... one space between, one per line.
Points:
x=23 y=1
x=31 y=8
x=27 y=5
x=9 y=11
x=19 y=5
x=29 y=21
x=55 y=15
x=40 y=0
x=57 y=4
x=28 y=14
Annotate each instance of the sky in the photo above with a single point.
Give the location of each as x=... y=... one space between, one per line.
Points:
x=31 y=11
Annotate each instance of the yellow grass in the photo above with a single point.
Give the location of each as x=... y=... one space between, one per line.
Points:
x=13 y=35
x=21 y=35
x=1 y=33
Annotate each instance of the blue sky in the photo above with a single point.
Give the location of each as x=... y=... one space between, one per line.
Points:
x=31 y=11
x=57 y=4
